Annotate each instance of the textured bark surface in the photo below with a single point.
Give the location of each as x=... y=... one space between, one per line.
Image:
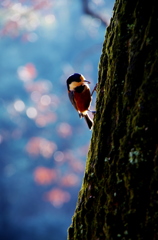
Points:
x=119 y=194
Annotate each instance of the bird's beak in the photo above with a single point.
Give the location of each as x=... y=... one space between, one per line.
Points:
x=87 y=81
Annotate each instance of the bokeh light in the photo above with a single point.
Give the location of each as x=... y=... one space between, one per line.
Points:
x=44 y=143
x=57 y=197
x=19 y=105
x=31 y=112
x=40 y=146
x=44 y=176
x=27 y=72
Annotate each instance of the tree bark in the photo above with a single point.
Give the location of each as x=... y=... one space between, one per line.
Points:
x=119 y=194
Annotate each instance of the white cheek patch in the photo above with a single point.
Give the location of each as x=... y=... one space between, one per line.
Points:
x=82 y=78
x=73 y=85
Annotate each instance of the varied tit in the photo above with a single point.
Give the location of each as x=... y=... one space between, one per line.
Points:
x=80 y=96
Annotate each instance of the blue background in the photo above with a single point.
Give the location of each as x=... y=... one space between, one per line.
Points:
x=43 y=143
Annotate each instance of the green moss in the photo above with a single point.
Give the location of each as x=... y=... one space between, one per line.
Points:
x=118 y=198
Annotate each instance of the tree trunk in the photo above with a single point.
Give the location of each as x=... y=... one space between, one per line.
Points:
x=119 y=194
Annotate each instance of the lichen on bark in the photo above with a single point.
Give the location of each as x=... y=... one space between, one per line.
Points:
x=119 y=195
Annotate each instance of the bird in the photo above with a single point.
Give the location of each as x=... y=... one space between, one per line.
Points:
x=80 y=96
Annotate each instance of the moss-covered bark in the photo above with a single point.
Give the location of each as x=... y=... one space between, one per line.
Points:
x=119 y=194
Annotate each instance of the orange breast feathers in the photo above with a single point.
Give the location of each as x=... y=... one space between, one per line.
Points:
x=82 y=100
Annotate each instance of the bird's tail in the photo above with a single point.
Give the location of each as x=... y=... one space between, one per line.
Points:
x=89 y=121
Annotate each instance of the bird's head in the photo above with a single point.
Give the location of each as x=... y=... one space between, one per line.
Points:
x=75 y=80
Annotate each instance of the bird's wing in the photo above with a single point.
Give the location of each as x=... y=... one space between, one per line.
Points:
x=71 y=96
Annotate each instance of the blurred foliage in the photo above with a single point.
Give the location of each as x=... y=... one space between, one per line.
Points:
x=42 y=140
